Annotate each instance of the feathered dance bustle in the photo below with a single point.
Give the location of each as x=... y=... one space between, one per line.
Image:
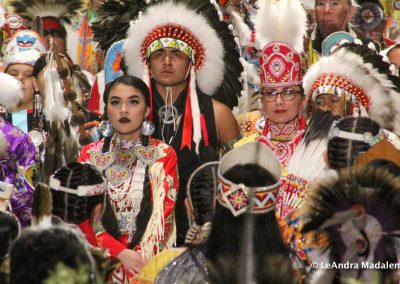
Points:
x=362 y=198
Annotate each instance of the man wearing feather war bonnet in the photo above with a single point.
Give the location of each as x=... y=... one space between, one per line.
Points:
x=187 y=54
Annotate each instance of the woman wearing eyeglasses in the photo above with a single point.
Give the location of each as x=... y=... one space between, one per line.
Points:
x=281 y=90
x=284 y=126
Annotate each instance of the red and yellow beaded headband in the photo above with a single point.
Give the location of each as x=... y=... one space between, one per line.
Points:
x=339 y=85
x=174 y=36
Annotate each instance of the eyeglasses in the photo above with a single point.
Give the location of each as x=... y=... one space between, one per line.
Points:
x=270 y=95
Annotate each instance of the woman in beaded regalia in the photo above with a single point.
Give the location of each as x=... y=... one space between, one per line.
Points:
x=142 y=180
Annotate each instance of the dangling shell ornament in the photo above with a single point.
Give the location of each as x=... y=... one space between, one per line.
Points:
x=147 y=128
x=106 y=129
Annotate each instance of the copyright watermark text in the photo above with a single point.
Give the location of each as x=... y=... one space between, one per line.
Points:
x=355 y=265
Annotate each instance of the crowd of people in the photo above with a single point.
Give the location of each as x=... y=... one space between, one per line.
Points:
x=199 y=141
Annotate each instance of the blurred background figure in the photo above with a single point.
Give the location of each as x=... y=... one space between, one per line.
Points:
x=38 y=251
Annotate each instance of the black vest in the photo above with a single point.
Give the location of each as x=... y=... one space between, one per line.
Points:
x=188 y=160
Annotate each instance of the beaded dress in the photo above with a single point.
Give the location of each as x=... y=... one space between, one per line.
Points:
x=124 y=166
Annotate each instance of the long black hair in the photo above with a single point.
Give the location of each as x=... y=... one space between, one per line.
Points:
x=227 y=232
x=342 y=152
x=146 y=207
x=72 y=208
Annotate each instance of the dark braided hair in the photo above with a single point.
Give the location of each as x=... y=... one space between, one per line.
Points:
x=201 y=191
x=70 y=207
x=343 y=152
x=146 y=207
x=226 y=235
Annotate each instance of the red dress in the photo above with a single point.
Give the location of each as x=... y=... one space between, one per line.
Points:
x=124 y=166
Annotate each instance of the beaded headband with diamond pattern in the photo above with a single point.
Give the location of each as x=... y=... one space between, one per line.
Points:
x=236 y=197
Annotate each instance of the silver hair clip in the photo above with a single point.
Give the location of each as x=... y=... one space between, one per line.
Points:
x=366 y=137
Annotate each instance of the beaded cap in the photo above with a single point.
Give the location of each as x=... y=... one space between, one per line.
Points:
x=280 y=65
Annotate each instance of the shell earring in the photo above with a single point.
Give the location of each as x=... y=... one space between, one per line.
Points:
x=147 y=128
x=106 y=129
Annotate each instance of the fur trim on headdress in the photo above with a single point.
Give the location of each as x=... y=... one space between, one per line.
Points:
x=211 y=75
x=283 y=20
x=383 y=95
x=11 y=91
x=64 y=10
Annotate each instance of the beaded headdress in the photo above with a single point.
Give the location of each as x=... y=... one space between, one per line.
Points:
x=363 y=77
x=237 y=197
x=25 y=47
x=194 y=27
x=280 y=28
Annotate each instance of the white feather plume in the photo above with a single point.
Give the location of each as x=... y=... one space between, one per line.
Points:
x=283 y=20
x=209 y=78
x=54 y=106
x=3 y=20
x=240 y=28
x=251 y=72
x=11 y=92
x=314 y=155
x=194 y=104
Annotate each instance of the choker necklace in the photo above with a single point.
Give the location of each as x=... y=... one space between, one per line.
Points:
x=286 y=131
